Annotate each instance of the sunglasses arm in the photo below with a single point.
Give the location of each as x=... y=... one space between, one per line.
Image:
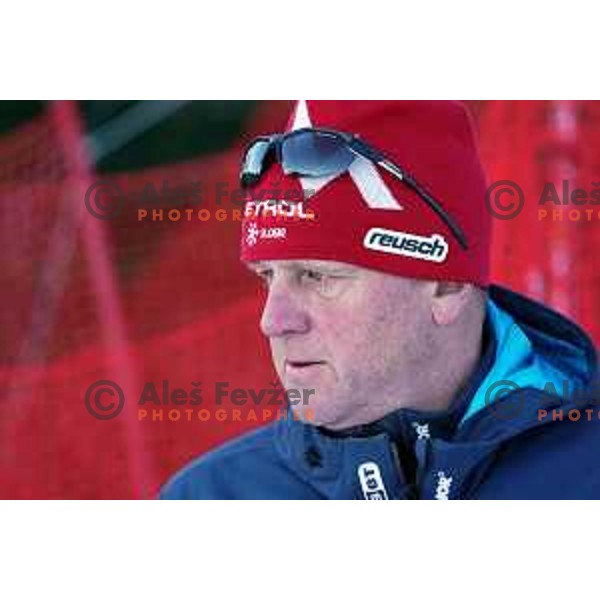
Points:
x=394 y=170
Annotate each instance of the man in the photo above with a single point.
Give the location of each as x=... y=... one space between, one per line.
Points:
x=379 y=302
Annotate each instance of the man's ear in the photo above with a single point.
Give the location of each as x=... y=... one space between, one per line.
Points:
x=449 y=299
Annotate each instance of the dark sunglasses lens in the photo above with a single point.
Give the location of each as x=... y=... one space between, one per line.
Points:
x=315 y=154
x=254 y=162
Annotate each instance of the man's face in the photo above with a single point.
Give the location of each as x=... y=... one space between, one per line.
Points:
x=360 y=338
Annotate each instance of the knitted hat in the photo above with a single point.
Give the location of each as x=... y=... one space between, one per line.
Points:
x=367 y=216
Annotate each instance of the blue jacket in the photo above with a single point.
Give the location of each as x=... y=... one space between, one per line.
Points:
x=494 y=442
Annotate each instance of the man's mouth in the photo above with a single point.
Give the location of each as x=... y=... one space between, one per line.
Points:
x=301 y=366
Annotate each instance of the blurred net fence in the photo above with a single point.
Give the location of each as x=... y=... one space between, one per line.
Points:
x=130 y=299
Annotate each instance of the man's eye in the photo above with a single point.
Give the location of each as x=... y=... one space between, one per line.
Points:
x=312 y=276
x=324 y=284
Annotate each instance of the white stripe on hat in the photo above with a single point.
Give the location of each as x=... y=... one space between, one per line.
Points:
x=371 y=186
x=363 y=172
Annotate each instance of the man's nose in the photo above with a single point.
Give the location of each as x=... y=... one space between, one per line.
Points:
x=283 y=313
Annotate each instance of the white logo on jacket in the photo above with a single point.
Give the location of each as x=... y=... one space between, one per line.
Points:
x=422 y=430
x=371 y=482
x=444 y=483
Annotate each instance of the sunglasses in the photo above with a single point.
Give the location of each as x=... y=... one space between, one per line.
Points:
x=312 y=152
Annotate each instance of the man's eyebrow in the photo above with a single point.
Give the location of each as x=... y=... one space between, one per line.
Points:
x=327 y=266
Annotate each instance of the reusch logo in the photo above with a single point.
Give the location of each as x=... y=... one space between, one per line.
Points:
x=371 y=482
x=434 y=248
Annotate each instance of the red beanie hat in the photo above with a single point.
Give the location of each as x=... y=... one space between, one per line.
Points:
x=368 y=217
